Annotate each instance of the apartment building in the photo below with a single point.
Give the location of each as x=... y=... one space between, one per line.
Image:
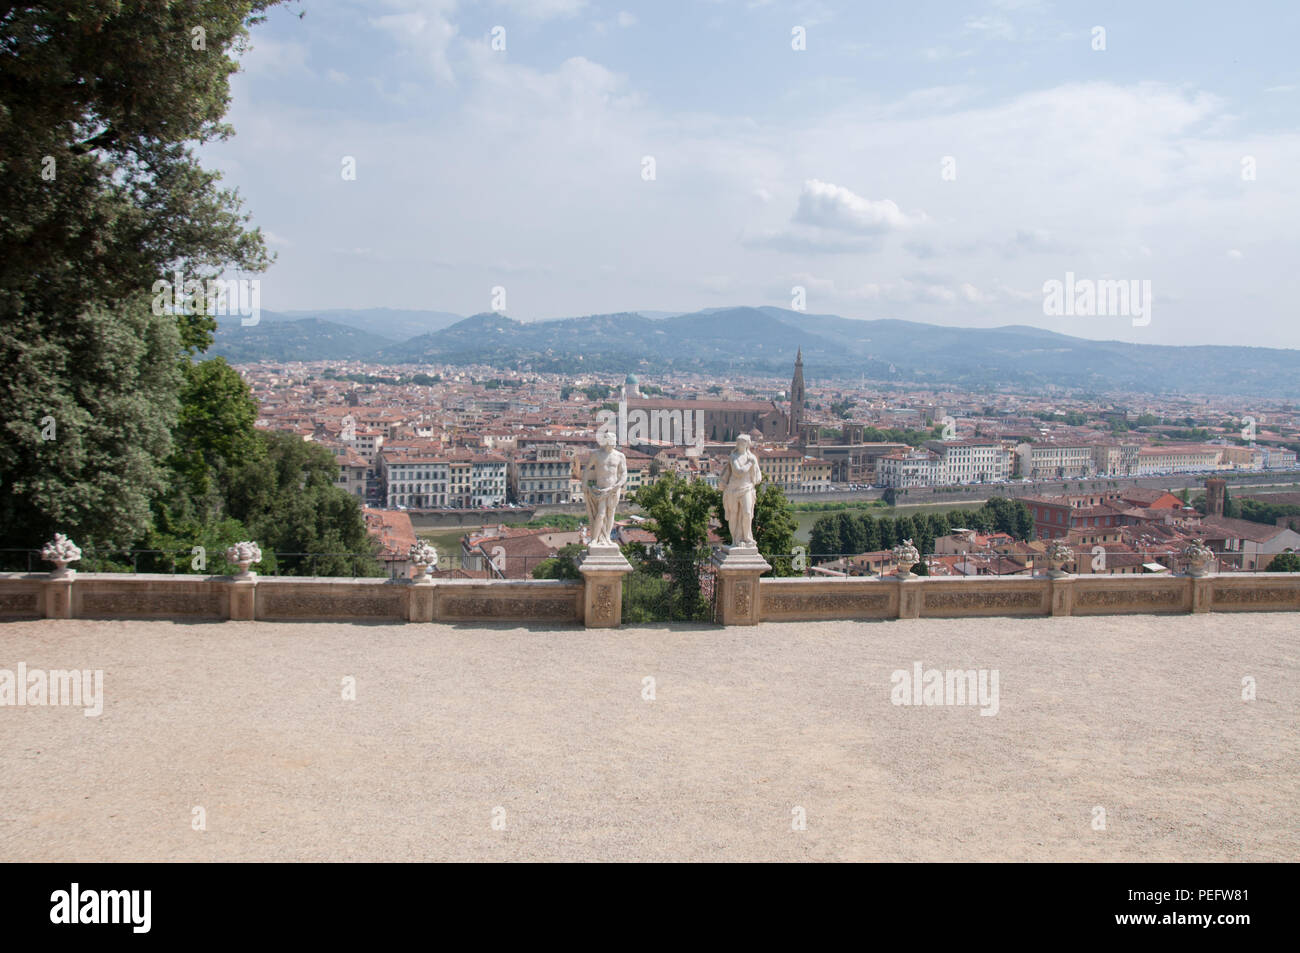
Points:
x=1058 y=516
x=913 y=468
x=540 y=475
x=971 y=460
x=354 y=473
x=412 y=479
x=1246 y=545
x=1054 y=461
x=782 y=467
x=815 y=475
x=1279 y=458
x=1173 y=459
x=1242 y=458
x=1118 y=459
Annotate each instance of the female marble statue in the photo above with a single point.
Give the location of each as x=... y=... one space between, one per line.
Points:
x=738 y=482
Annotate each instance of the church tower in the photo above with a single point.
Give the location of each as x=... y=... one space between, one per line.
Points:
x=796 y=398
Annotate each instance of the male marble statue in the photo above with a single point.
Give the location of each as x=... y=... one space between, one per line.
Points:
x=604 y=476
x=738 y=482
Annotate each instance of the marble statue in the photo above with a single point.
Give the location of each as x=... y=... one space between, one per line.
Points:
x=604 y=476
x=739 y=482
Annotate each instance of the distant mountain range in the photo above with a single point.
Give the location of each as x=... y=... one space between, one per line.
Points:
x=764 y=340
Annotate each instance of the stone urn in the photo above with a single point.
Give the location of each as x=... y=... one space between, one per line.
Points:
x=1198 y=557
x=424 y=557
x=1058 y=554
x=907 y=556
x=244 y=555
x=61 y=551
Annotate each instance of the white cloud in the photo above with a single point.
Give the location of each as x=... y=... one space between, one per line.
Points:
x=545 y=9
x=827 y=205
x=425 y=30
x=997 y=27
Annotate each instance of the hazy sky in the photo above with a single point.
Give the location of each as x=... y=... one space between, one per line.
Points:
x=773 y=167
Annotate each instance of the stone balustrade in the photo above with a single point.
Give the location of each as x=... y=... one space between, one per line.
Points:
x=286 y=598
x=594 y=600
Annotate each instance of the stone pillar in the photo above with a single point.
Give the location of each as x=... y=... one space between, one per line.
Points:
x=1202 y=592
x=1063 y=595
x=57 y=590
x=737 y=585
x=603 y=568
x=419 y=605
x=909 y=596
x=243 y=597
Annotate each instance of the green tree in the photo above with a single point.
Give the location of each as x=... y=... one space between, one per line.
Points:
x=870 y=532
x=101 y=104
x=214 y=430
x=824 y=537
x=287 y=500
x=853 y=533
x=1285 y=562
x=563 y=565
x=679 y=511
x=88 y=405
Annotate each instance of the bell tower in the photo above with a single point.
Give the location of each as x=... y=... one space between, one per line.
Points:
x=796 y=398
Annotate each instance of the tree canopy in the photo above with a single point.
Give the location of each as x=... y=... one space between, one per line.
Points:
x=113 y=432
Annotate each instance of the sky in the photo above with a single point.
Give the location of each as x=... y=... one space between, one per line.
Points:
x=928 y=161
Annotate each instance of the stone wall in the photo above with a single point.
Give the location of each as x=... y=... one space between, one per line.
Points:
x=285 y=598
x=556 y=602
x=797 y=599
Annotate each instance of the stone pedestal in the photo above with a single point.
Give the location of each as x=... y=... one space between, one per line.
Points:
x=1063 y=594
x=243 y=597
x=909 y=596
x=602 y=571
x=738 y=570
x=58 y=594
x=1202 y=593
x=419 y=606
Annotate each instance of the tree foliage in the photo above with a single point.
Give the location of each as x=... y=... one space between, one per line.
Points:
x=102 y=103
x=853 y=533
x=1285 y=562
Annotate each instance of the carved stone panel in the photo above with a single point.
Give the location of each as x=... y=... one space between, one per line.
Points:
x=151 y=601
x=1139 y=600
x=292 y=603
x=19 y=604
x=741 y=600
x=1256 y=595
x=819 y=604
x=985 y=600
x=604 y=601
x=490 y=608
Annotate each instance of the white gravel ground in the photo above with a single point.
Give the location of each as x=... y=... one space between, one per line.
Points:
x=1140 y=715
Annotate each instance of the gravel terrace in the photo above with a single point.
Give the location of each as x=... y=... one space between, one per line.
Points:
x=531 y=743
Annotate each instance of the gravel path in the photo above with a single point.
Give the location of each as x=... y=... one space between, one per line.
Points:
x=1140 y=715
